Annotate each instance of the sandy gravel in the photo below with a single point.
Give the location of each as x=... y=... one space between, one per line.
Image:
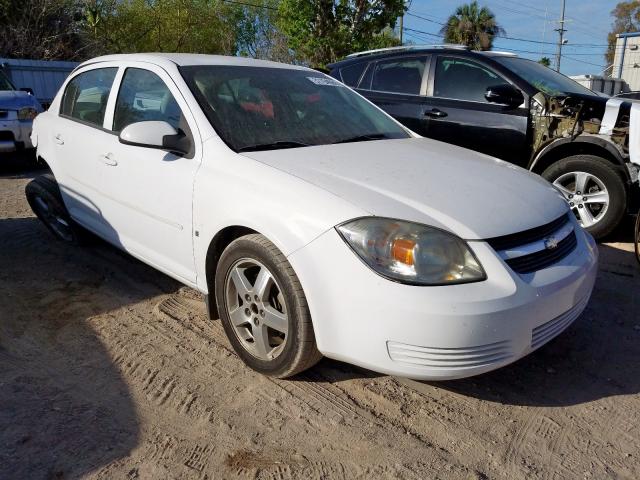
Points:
x=110 y=370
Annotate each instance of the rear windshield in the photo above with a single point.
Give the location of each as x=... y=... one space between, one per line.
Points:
x=268 y=108
x=543 y=78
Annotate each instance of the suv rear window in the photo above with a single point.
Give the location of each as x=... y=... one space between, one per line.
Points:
x=350 y=74
x=399 y=76
x=85 y=97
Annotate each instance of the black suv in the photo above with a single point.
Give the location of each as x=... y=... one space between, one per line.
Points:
x=514 y=109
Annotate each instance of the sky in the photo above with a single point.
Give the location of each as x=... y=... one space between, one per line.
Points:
x=588 y=22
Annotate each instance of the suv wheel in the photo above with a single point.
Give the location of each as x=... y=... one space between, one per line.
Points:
x=263 y=310
x=46 y=202
x=594 y=190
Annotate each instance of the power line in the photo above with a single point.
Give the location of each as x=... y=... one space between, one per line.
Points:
x=507 y=37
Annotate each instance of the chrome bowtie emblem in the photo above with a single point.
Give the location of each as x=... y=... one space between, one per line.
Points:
x=550 y=243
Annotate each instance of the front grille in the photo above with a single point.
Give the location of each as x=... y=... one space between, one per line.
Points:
x=545 y=332
x=7 y=136
x=544 y=258
x=450 y=358
x=506 y=242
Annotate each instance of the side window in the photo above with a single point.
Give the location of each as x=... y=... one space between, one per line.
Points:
x=463 y=79
x=399 y=75
x=351 y=75
x=85 y=97
x=143 y=96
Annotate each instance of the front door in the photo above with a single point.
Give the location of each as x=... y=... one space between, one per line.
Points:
x=149 y=191
x=457 y=111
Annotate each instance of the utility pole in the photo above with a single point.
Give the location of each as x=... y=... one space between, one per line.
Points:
x=401 y=26
x=561 y=31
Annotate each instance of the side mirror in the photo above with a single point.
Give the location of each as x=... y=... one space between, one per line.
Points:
x=27 y=89
x=505 y=95
x=155 y=134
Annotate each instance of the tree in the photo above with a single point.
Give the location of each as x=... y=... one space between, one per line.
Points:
x=546 y=61
x=259 y=35
x=473 y=26
x=40 y=29
x=323 y=31
x=192 y=26
x=626 y=17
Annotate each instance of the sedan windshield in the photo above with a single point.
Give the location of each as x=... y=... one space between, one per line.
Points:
x=258 y=108
x=5 y=84
x=543 y=78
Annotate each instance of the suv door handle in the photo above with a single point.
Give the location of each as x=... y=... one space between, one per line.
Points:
x=435 y=113
x=108 y=159
x=58 y=139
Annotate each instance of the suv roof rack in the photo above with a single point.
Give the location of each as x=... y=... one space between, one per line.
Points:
x=496 y=53
x=408 y=47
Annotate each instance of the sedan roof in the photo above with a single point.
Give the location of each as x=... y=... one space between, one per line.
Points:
x=187 y=59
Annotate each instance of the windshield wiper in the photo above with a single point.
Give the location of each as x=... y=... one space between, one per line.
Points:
x=363 y=138
x=273 y=146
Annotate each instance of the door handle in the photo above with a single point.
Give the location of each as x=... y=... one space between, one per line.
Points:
x=108 y=159
x=58 y=139
x=435 y=113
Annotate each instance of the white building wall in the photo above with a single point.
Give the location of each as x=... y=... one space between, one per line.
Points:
x=627 y=60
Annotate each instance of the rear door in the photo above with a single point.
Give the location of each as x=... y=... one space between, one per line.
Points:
x=79 y=140
x=398 y=85
x=457 y=111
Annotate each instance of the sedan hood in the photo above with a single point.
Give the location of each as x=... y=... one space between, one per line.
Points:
x=425 y=181
x=15 y=100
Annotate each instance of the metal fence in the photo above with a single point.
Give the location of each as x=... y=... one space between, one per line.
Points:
x=42 y=76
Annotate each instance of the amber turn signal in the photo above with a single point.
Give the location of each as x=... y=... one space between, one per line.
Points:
x=402 y=250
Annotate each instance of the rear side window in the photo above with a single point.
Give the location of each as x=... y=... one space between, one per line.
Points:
x=463 y=79
x=143 y=96
x=85 y=97
x=351 y=74
x=399 y=76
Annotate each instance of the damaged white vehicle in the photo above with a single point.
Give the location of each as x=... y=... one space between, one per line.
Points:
x=313 y=222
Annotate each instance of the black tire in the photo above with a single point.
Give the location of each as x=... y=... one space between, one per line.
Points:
x=46 y=202
x=608 y=175
x=299 y=351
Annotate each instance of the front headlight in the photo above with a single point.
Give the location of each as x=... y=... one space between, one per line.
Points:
x=412 y=253
x=27 y=113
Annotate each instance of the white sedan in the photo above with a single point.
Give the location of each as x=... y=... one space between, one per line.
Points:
x=313 y=223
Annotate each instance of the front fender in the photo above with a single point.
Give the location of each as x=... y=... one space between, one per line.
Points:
x=233 y=190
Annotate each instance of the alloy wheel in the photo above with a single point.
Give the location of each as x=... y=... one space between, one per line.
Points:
x=586 y=194
x=256 y=309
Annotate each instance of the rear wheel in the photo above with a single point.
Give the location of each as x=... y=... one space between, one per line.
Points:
x=263 y=309
x=46 y=202
x=594 y=190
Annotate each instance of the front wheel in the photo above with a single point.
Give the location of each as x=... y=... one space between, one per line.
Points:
x=594 y=190
x=263 y=309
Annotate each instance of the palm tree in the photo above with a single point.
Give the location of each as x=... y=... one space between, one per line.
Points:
x=473 y=26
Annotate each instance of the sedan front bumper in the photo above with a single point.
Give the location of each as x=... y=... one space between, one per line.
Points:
x=443 y=332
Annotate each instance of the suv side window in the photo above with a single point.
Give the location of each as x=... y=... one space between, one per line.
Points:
x=462 y=79
x=351 y=74
x=401 y=75
x=143 y=96
x=85 y=97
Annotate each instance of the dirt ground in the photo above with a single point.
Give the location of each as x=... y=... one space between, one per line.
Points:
x=111 y=370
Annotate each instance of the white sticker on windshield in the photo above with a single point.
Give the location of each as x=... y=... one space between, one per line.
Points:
x=330 y=82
